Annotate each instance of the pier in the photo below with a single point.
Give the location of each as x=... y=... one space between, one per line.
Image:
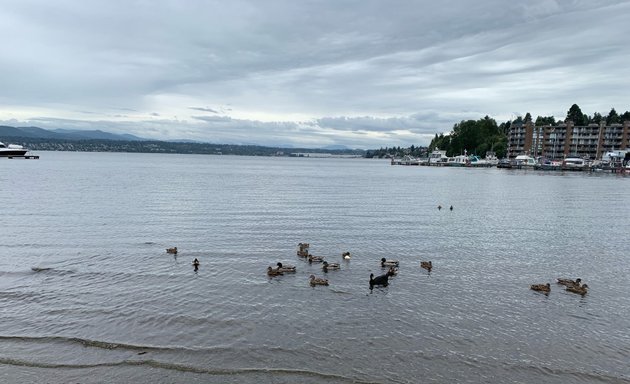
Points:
x=28 y=157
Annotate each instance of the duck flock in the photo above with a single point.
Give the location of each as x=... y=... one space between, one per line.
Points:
x=303 y=252
x=574 y=286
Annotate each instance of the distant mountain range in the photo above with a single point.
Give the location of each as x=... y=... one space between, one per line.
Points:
x=63 y=134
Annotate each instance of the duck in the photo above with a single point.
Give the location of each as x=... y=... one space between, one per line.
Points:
x=273 y=272
x=285 y=268
x=326 y=266
x=315 y=259
x=392 y=271
x=451 y=208
x=317 y=280
x=345 y=255
x=388 y=263
x=580 y=290
x=439 y=207
x=541 y=287
x=379 y=280
x=426 y=265
x=303 y=249
x=569 y=282
x=172 y=250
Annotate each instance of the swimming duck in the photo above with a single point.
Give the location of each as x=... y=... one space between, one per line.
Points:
x=346 y=255
x=317 y=280
x=388 y=263
x=583 y=290
x=315 y=259
x=439 y=207
x=379 y=280
x=426 y=265
x=172 y=250
x=569 y=282
x=303 y=251
x=451 y=208
x=195 y=264
x=392 y=271
x=541 y=287
x=330 y=266
x=273 y=272
x=285 y=268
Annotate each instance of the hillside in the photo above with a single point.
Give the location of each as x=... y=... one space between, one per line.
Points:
x=38 y=139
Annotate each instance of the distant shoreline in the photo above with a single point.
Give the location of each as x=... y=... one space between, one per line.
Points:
x=154 y=146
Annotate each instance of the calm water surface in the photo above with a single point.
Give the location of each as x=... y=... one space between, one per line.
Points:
x=89 y=295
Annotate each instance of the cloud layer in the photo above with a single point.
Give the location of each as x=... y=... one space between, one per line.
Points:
x=360 y=73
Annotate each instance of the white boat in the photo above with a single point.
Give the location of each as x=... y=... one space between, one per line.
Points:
x=476 y=161
x=409 y=160
x=438 y=157
x=524 y=161
x=614 y=159
x=457 y=161
x=573 y=164
x=12 y=150
x=491 y=158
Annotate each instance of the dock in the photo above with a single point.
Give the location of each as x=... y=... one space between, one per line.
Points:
x=28 y=157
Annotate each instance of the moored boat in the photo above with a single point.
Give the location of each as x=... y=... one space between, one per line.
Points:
x=457 y=161
x=438 y=157
x=504 y=163
x=523 y=161
x=491 y=158
x=573 y=164
x=476 y=161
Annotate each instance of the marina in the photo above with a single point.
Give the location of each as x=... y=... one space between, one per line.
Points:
x=612 y=162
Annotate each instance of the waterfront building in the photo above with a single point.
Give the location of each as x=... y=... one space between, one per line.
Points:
x=566 y=139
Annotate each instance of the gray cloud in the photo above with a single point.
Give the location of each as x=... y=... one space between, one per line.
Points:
x=204 y=109
x=362 y=73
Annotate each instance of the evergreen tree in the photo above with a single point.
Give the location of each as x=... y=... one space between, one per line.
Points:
x=575 y=114
x=613 y=117
x=545 y=120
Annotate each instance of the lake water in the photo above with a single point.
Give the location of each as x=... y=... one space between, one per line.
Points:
x=89 y=295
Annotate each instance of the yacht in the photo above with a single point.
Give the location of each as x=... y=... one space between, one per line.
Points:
x=438 y=157
x=457 y=161
x=524 y=161
x=573 y=164
x=12 y=150
x=476 y=161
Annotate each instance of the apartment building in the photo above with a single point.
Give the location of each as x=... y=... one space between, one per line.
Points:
x=565 y=139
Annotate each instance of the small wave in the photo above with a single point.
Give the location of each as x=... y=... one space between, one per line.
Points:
x=188 y=368
x=87 y=343
x=572 y=375
x=52 y=270
x=21 y=296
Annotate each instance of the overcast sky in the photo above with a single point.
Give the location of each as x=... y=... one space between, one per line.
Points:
x=359 y=73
